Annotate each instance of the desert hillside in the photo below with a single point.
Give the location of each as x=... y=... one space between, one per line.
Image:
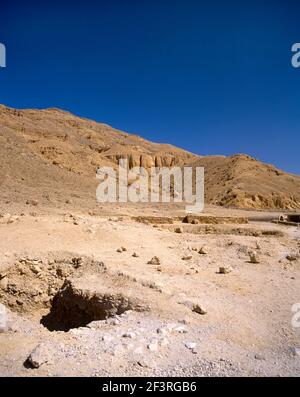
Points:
x=51 y=155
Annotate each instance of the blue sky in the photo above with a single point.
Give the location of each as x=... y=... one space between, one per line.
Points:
x=213 y=79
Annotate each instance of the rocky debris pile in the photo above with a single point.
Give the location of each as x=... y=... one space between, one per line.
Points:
x=205 y=219
x=32 y=282
x=138 y=338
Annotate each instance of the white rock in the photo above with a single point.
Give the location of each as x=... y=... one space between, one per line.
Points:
x=190 y=345
x=40 y=355
x=163 y=330
x=181 y=329
x=153 y=346
x=3 y=318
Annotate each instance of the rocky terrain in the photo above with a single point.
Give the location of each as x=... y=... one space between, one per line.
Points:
x=89 y=289
x=91 y=296
x=52 y=155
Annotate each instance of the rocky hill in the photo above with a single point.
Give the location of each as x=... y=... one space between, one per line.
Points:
x=52 y=155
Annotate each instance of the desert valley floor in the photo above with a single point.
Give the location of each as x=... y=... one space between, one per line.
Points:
x=136 y=291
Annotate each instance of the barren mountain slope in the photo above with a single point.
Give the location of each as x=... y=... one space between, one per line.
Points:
x=243 y=182
x=51 y=155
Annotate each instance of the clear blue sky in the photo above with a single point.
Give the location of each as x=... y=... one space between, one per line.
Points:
x=213 y=79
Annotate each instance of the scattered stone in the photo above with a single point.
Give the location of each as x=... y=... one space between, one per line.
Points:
x=254 y=258
x=62 y=272
x=202 y=251
x=123 y=248
x=40 y=355
x=225 y=269
x=163 y=342
x=12 y=219
x=184 y=321
x=32 y=202
x=154 y=261
x=187 y=257
x=117 y=350
x=259 y=357
x=35 y=269
x=135 y=255
x=199 y=309
x=114 y=321
x=181 y=329
x=163 y=330
x=178 y=230
x=130 y=335
x=4 y=283
x=292 y=257
x=145 y=363
x=119 y=250
x=107 y=338
x=3 y=318
x=195 y=222
x=77 y=262
x=153 y=346
x=190 y=345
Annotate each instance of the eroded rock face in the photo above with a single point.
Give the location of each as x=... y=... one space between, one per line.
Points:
x=146 y=160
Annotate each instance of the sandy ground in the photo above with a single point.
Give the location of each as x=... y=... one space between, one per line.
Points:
x=246 y=329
